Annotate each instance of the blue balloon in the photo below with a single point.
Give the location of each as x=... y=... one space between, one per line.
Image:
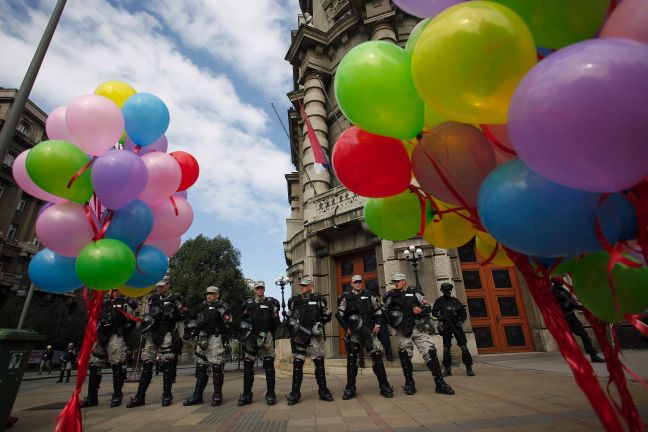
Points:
x=53 y=273
x=146 y=118
x=151 y=267
x=131 y=224
x=538 y=217
x=620 y=207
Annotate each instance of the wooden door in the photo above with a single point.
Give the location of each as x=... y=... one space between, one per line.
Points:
x=497 y=313
x=364 y=264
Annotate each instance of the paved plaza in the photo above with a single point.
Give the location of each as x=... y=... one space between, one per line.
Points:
x=529 y=392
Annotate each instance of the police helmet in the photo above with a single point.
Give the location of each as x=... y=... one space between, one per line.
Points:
x=190 y=329
x=394 y=315
x=446 y=287
x=244 y=331
x=354 y=320
x=147 y=323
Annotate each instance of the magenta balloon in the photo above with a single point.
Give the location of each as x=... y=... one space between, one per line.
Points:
x=579 y=116
x=118 y=178
x=95 y=123
x=56 y=127
x=629 y=20
x=166 y=223
x=425 y=8
x=19 y=171
x=164 y=176
x=161 y=144
x=64 y=229
x=168 y=246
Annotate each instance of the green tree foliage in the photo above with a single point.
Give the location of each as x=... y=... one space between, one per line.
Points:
x=202 y=262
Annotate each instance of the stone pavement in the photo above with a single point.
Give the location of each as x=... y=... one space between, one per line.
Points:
x=510 y=393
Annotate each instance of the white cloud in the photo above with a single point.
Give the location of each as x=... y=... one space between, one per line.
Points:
x=242 y=171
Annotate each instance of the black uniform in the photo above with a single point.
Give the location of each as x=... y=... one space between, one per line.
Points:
x=67 y=363
x=359 y=311
x=451 y=314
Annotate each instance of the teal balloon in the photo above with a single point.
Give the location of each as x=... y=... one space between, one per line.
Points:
x=53 y=273
x=105 y=264
x=375 y=90
x=394 y=218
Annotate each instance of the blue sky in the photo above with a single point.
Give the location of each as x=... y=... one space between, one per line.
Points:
x=217 y=64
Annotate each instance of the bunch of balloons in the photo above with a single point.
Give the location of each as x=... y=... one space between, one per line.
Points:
x=117 y=201
x=516 y=124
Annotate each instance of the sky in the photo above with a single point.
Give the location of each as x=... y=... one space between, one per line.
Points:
x=217 y=64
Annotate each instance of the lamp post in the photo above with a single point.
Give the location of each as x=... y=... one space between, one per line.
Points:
x=281 y=282
x=413 y=255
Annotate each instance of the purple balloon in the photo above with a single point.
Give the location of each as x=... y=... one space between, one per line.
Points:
x=118 y=178
x=425 y=8
x=161 y=144
x=579 y=116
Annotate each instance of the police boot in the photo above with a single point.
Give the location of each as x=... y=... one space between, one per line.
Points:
x=67 y=376
x=119 y=374
x=406 y=362
x=167 y=383
x=60 y=380
x=352 y=373
x=435 y=367
x=248 y=380
x=320 y=377
x=447 y=361
x=201 y=382
x=217 y=376
x=298 y=375
x=268 y=365
x=467 y=360
x=144 y=381
x=94 y=380
x=379 y=369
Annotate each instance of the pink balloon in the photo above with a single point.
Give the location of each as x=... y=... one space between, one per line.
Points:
x=64 y=229
x=56 y=127
x=504 y=151
x=168 y=246
x=25 y=182
x=166 y=223
x=629 y=20
x=463 y=155
x=164 y=177
x=95 y=123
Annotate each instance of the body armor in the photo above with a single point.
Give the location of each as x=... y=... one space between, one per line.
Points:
x=163 y=315
x=449 y=311
x=362 y=303
x=405 y=301
x=209 y=320
x=113 y=321
x=308 y=310
x=262 y=314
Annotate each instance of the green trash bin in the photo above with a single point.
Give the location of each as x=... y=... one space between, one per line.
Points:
x=15 y=346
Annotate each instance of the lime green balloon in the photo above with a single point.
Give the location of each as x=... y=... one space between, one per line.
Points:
x=374 y=89
x=414 y=35
x=105 y=264
x=592 y=288
x=469 y=59
x=394 y=218
x=52 y=164
x=558 y=23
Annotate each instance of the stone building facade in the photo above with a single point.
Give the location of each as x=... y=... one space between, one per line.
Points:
x=327 y=237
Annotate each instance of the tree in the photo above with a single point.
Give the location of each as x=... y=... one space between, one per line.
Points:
x=202 y=262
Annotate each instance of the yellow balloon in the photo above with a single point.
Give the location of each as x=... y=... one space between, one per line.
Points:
x=116 y=91
x=469 y=59
x=451 y=231
x=485 y=244
x=431 y=118
x=130 y=291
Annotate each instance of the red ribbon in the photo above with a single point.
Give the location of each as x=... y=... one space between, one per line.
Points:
x=81 y=171
x=173 y=203
x=493 y=139
x=129 y=316
x=422 y=200
x=635 y=321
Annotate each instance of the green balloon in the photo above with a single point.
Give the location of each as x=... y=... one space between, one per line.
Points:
x=105 y=264
x=416 y=32
x=558 y=23
x=52 y=164
x=394 y=218
x=375 y=90
x=593 y=290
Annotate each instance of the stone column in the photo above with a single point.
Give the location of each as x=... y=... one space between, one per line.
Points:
x=384 y=31
x=315 y=106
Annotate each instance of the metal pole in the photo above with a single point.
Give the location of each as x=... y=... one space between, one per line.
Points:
x=23 y=314
x=19 y=102
x=418 y=283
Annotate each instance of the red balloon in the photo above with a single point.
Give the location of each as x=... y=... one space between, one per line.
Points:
x=188 y=166
x=371 y=165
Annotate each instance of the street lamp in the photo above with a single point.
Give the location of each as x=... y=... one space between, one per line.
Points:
x=413 y=255
x=281 y=282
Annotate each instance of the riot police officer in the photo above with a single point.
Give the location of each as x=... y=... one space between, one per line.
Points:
x=110 y=347
x=409 y=313
x=360 y=314
x=67 y=362
x=263 y=314
x=165 y=309
x=307 y=313
x=211 y=327
x=451 y=315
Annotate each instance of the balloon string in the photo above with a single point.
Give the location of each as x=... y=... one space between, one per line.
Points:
x=497 y=143
x=175 y=207
x=137 y=251
x=413 y=189
x=81 y=171
x=100 y=234
x=492 y=256
x=612 y=7
x=89 y=216
x=638 y=196
x=635 y=321
x=129 y=316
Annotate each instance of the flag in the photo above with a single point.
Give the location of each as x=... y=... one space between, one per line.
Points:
x=321 y=162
